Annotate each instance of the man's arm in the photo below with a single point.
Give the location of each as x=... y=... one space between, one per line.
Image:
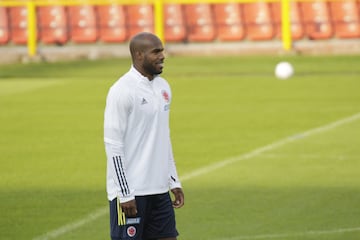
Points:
x=118 y=107
x=174 y=181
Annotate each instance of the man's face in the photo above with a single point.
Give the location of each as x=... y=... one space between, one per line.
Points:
x=153 y=61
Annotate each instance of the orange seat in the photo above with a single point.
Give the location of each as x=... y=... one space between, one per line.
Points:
x=111 y=20
x=258 y=21
x=345 y=16
x=228 y=22
x=82 y=24
x=297 y=29
x=4 y=26
x=52 y=24
x=18 y=25
x=140 y=18
x=316 y=19
x=174 y=23
x=199 y=22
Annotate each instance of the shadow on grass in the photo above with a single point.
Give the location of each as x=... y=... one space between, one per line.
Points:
x=247 y=213
x=29 y=213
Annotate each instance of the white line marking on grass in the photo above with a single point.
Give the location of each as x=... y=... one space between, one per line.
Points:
x=74 y=225
x=272 y=146
x=292 y=235
x=212 y=167
x=309 y=156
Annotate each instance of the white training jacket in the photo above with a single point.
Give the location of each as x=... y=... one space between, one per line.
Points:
x=137 y=138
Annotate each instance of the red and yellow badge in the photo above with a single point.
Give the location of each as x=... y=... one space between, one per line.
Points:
x=131 y=231
x=165 y=95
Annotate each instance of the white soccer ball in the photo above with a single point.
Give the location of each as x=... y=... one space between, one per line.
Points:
x=284 y=70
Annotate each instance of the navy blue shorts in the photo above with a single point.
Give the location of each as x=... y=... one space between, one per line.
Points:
x=155 y=219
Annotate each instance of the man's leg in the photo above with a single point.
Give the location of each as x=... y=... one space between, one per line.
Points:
x=161 y=219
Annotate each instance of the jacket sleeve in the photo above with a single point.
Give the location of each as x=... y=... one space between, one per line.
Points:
x=117 y=110
x=174 y=181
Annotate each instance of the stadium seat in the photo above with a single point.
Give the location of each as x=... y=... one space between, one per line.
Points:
x=52 y=24
x=199 y=22
x=345 y=16
x=297 y=29
x=228 y=22
x=112 y=25
x=4 y=26
x=18 y=24
x=258 y=21
x=140 y=18
x=82 y=23
x=316 y=19
x=174 y=23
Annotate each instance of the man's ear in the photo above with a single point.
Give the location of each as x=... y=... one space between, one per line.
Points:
x=139 y=55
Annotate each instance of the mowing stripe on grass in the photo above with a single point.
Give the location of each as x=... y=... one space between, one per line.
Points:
x=16 y=86
x=212 y=167
x=292 y=235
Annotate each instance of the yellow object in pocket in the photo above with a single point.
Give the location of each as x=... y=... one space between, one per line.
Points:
x=121 y=214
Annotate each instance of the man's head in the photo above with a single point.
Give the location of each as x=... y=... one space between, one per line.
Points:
x=147 y=53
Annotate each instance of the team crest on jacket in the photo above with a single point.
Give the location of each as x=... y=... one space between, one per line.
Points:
x=165 y=95
x=131 y=231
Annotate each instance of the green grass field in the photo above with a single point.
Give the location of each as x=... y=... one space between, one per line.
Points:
x=261 y=158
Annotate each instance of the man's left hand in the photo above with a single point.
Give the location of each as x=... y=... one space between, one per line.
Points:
x=179 y=197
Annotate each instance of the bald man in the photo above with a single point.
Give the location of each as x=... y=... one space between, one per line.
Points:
x=140 y=164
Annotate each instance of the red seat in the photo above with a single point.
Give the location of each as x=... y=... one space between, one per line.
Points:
x=345 y=16
x=228 y=22
x=52 y=24
x=18 y=24
x=82 y=24
x=297 y=28
x=111 y=20
x=140 y=18
x=199 y=22
x=174 y=23
x=258 y=21
x=4 y=26
x=316 y=19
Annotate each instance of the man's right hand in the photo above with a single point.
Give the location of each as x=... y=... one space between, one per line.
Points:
x=129 y=208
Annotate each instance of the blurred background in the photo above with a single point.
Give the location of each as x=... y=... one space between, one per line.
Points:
x=71 y=29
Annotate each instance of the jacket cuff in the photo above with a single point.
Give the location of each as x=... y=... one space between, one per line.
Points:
x=175 y=185
x=126 y=198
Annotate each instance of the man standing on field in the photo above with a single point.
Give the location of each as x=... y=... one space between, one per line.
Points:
x=140 y=164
